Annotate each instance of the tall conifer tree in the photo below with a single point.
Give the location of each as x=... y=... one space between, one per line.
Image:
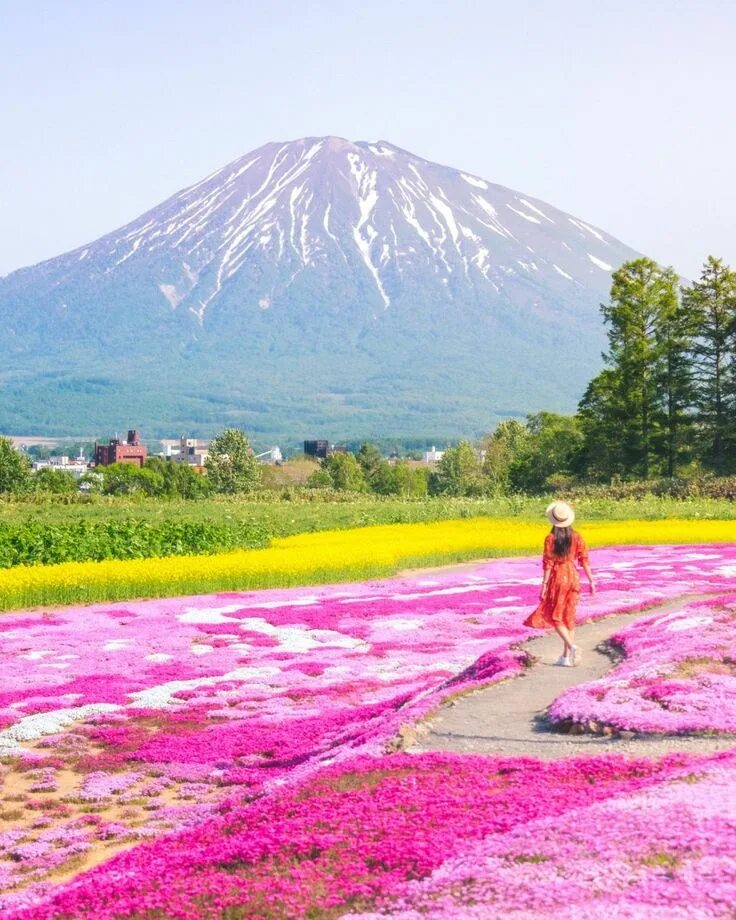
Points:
x=711 y=302
x=643 y=303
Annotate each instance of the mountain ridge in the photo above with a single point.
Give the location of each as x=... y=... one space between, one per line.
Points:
x=296 y=276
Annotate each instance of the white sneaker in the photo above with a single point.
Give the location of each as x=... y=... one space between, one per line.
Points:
x=577 y=656
x=563 y=662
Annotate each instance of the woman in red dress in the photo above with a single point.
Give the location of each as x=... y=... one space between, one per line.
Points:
x=558 y=599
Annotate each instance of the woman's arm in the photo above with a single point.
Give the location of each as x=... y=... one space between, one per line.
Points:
x=543 y=592
x=582 y=554
x=589 y=574
x=547 y=566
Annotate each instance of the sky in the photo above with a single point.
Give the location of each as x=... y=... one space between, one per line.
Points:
x=619 y=113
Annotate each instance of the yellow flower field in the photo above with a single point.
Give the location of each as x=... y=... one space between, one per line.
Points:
x=313 y=558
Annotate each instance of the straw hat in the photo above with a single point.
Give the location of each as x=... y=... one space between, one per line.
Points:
x=560 y=514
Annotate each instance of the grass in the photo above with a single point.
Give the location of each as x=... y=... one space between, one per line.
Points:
x=305 y=512
x=331 y=556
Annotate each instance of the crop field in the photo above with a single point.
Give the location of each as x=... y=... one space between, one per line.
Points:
x=314 y=558
x=233 y=754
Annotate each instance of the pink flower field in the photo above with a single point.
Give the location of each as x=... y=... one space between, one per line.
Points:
x=226 y=755
x=679 y=675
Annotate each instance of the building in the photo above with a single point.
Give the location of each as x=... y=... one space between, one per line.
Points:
x=117 y=451
x=191 y=451
x=317 y=449
x=272 y=455
x=433 y=456
x=77 y=467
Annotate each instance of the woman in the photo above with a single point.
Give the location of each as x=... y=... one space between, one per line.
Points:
x=563 y=547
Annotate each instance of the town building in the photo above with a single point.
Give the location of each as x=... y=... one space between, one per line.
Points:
x=433 y=456
x=191 y=451
x=117 y=451
x=77 y=466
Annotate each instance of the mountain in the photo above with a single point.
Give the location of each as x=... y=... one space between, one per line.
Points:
x=313 y=288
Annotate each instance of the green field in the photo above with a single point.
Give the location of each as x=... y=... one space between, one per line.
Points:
x=96 y=527
x=304 y=513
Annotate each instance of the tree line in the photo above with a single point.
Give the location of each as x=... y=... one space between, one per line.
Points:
x=665 y=402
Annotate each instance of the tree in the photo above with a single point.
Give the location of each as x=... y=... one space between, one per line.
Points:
x=505 y=445
x=711 y=301
x=56 y=482
x=640 y=396
x=346 y=474
x=179 y=480
x=458 y=472
x=129 y=479
x=601 y=414
x=15 y=468
x=231 y=466
x=550 y=449
x=371 y=462
x=674 y=380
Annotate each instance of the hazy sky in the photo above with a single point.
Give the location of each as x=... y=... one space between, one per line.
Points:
x=620 y=113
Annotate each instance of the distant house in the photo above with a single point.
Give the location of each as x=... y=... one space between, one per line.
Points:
x=117 y=451
x=77 y=466
x=433 y=456
x=190 y=451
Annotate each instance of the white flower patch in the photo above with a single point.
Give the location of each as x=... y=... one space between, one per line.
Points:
x=162 y=696
x=209 y=614
x=300 y=639
x=219 y=614
x=728 y=571
x=405 y=624
x=159 y=658
x=36 y=656
x=116 y=645
x=47 y=723
x=201 y=649
x=689 y=623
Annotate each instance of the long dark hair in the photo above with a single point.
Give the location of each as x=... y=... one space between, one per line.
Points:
x=563 y=540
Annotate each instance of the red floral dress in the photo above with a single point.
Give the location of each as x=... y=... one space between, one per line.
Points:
x=563 y=588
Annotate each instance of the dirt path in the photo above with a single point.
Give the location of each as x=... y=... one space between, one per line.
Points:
x=509 y=718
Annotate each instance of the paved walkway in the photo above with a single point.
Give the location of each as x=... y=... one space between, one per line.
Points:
x=509 y=718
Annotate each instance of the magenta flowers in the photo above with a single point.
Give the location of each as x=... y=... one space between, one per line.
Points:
x=233 y=723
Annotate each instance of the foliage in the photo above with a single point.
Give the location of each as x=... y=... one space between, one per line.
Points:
x=458 y=472
x=711 y=302
x=55 y=482
x=507 y=443
x=231 y=466
x=340 y=471
x=551 y=447
x=643 y=302
x=14 y=468
x=668 y=394
x=127 y=479
x=34 y=543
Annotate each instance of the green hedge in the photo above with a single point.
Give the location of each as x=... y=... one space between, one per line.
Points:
x=709 y=487
x=78 y=541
